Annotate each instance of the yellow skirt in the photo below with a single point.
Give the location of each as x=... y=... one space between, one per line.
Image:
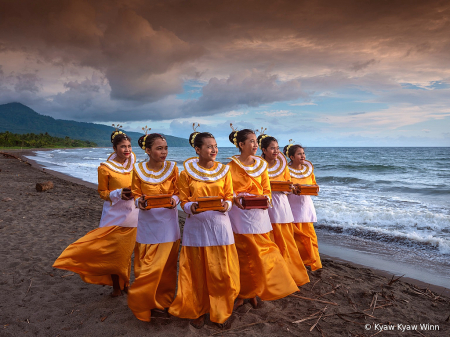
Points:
x=208 y=281
x=306 y=239
x=99 y=254
x=263 y=270
x=283 y=236
x=155 y=269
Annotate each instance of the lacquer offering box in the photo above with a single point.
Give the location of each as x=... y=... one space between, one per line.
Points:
x=127 y=192
x=254 y=202
x=307 y=189
x=280 y=186
x=209 y=204
x=158 y=201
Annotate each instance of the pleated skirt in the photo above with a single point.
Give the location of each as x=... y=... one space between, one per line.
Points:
x=99 y=254
x=306 y=239
x=283 y=236
x=208 y=282
x=155 y=270
x=263 y=271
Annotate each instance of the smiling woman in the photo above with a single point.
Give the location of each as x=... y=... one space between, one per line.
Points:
x=103 y=256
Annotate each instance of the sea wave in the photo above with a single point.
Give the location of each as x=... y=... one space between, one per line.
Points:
x=415 y=238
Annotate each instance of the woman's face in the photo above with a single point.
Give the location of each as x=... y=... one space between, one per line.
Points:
x=123 y=150
x=299 y=157
x=272 y=151
x=250 y=146
x=159 y=150
x=208 y=151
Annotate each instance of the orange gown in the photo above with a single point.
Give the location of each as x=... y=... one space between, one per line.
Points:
x=304 y=233
x=106 y=250
x=263 y=271
x=155 y=263
x=283 y=233
x=208 y=279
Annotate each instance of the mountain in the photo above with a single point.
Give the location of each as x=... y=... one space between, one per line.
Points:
x=18 y=118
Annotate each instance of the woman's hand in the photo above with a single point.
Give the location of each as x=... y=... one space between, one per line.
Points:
x=225 y=207
x=194 y=207
x=173 y=202
x=297 y=190
x=126 y=194
x=141 y=202
x=237 y=202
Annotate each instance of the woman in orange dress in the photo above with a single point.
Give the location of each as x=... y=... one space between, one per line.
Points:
x=302 y=172
x=263 y=271
x=208 y=280
x=280 y=213
x=103 y=256
x=158 y=231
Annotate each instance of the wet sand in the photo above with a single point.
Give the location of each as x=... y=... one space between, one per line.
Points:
x=39 y=300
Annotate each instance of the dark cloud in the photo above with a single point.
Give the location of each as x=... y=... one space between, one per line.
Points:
x=247 y=88
x=355 y=113
x=247 y=53
x=362 y=65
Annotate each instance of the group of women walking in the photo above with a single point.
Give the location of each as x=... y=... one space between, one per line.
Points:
x=228 y=256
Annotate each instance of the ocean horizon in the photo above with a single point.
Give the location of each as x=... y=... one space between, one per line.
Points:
x=396 y=196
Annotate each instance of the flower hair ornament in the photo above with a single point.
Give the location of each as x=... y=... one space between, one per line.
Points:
x=194 y=134
x=146 y=130
x=117 y=132
x=287 y=147
x=262 y=134
x=234 y=135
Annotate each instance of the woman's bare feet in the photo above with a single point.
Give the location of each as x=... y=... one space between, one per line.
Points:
x=198 y=323
x=239 y=303
x=253 y=302
x=225 y=325
x=116 y=286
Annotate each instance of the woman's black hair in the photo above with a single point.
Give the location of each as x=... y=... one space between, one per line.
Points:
x=291 y=151
x=265 y=142
x=117 y=138
x=241 y=136
x=149 y=140
x=196 y=138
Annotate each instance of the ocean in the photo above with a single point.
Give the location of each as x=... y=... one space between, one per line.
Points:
x=369 y=197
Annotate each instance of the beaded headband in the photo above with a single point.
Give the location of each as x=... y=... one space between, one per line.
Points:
x=234 y=135
x=287 y=147
x=262 y=134
x=146 y=130
x=195 y=134
x=117 y=132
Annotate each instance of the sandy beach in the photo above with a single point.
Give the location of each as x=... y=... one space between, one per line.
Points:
x=342 y=299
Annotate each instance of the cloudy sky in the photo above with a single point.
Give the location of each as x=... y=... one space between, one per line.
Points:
x=325 y=73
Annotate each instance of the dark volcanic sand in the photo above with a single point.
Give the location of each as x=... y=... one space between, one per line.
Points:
x=36 y=299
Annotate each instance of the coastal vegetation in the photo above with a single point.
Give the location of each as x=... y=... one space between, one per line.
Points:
x=18 y=118
x=42 y=140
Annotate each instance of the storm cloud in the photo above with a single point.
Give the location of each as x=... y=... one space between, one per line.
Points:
x=110 y=59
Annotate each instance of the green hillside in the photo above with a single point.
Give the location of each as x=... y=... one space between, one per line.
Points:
x=31 y=140
x=18 y=118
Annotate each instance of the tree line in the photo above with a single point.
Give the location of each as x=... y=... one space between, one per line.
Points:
x=42 y=140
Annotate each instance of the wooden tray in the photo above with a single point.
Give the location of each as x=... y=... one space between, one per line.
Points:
x=127 y=192
x=255 y=202
x=308 y=189
x=280 y=186
x=209 y=204
x=157 y=201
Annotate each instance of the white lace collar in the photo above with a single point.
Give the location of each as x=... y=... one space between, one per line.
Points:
x=279 y=167
x=306 y=170
x=126 y=167
x=254 y=170
x=152 y=177
x=199 y=173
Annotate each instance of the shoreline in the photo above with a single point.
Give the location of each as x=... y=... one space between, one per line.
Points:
x=333 y=252
x=38 y=299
